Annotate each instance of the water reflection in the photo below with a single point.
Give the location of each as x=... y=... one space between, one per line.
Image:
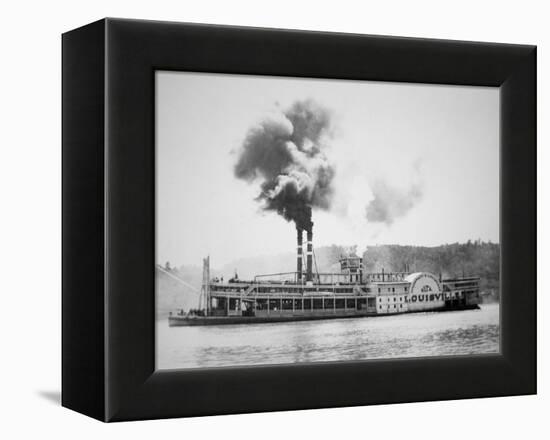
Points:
x=410 y=335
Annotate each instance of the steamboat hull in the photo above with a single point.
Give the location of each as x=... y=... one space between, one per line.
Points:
x=186 y=321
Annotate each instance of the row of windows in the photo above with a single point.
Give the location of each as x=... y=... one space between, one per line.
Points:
x=394 y=306
x=301 y=291
x=389 y=299
x=386 y=276
x=309 y=303
x=392 y=289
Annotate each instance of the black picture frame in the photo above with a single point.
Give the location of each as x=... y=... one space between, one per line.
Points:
x=109 y=214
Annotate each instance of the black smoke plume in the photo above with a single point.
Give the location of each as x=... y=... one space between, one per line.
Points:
x=284 y=154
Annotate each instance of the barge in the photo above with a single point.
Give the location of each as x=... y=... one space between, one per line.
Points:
x=309 y=295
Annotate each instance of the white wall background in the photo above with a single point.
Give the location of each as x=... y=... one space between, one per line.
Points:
x=30 y=231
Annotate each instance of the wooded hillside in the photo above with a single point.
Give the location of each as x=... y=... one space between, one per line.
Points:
x=474 y=258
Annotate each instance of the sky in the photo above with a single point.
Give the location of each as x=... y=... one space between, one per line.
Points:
x=414 y=164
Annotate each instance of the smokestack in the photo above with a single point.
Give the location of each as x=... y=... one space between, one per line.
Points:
x=299 y=256
x=309 y=275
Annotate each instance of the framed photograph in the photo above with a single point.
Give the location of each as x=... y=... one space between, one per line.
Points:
x=260 y=220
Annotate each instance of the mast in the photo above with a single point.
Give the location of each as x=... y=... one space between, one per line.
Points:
x=205 y=289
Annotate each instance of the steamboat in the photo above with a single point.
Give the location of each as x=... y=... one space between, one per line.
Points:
x=309 y=295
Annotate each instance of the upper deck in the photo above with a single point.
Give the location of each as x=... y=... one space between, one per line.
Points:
x=287 y=284
x=350 y=291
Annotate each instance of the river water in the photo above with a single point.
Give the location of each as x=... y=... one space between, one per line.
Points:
x=409 y=335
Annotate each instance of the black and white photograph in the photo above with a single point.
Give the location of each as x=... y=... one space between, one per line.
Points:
x=315 y=220
x=258 y=220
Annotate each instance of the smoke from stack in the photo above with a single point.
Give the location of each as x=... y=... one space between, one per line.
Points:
x=284 y=155
x=391 y=203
